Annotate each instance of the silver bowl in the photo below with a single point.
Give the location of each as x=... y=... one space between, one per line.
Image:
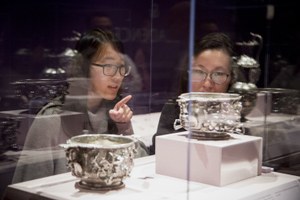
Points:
x=210 y=115
x=248 y=92
x=283 y=100
x=101 y=161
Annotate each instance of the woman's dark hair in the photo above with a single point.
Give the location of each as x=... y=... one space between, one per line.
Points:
x=91 y=42
x=216 y=40
x=211 y=41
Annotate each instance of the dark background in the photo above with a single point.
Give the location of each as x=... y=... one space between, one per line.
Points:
x=39 y=27
x=33 y=30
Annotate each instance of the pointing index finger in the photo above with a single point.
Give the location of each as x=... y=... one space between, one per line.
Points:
x=123 y=101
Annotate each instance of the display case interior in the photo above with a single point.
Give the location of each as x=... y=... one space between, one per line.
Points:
x=38 y=49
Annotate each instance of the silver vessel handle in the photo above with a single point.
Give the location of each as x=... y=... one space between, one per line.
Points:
x=177 y=124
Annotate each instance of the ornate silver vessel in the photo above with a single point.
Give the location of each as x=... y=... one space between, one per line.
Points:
x=283 y=100
x=247 y=71
x=38 y=92
x=101 y=161
x=8 y=134
x=209 y=115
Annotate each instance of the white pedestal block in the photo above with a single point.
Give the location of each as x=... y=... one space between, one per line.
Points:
x=218 y=162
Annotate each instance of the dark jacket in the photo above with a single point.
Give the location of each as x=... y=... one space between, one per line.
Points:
x=169 y=114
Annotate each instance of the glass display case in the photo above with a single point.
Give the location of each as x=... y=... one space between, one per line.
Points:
x=40 y=83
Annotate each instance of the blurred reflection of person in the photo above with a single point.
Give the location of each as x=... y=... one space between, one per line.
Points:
x=211 y=72
x=101 y=67
x=100 y=20
x=142 y=55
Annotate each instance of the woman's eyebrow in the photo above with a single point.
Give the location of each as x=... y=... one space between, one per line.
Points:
x=215 y=69
x=108 y=58
x=199 y=65
x=220 y=68
x=112 y=59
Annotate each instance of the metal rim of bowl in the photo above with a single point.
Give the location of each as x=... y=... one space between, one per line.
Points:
x=71 y=143
x=277 y=90
x=209 y=96
x=42 y=81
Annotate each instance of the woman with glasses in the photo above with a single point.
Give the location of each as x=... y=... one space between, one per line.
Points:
x=101 y=61
x=210 y=72
x=100 y=69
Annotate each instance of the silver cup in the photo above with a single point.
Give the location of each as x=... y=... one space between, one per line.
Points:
x=100 y=161
x=210 y=115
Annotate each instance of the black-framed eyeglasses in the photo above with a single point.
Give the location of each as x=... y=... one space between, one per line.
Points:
x=111 y=70
x=216 y=77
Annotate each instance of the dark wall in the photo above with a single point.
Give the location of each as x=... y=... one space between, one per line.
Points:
x=39 y=26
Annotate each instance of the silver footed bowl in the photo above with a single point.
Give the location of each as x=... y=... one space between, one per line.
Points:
x=210 y=115
x=283 y=100
x=101 y=161
x=248 y=92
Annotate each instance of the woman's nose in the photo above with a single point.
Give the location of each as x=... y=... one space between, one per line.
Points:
x=208 y=83
x=118 y=77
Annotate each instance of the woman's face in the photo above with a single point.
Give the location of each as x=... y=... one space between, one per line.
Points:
x=102 y=85
x=214 y=63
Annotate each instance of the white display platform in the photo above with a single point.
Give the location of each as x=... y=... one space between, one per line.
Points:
x=145 y=184
x=145 y=126
x=215 y=162
x=280 y=133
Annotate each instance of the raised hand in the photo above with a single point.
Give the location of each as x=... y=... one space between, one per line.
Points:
x=121 y=112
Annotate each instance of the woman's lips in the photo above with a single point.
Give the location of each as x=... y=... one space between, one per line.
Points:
x=113 y=87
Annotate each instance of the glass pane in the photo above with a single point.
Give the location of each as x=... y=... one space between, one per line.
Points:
x=53 y=88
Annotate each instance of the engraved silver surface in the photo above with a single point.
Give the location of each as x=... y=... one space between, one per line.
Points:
x=101 y=161
x=248 y=92
x=283 y=100
x=246 y=69
x=36 y=93
x=210 y=115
